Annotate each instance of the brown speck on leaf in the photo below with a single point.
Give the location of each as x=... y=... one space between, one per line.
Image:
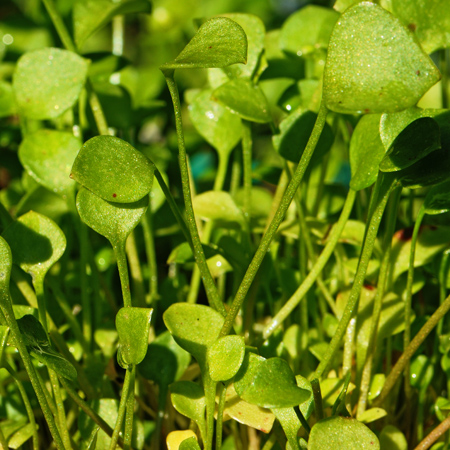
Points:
x=418 y=73
x=114 y=195
x=210 y=46
x=405 y=234
x=71 y=176
x=367 y=110
x=369 y=287
x=412 y=27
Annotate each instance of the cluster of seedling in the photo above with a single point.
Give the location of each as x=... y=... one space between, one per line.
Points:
x=298 y=328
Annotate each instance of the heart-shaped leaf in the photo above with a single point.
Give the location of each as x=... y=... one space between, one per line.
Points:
x=337 y=433
x=374 y=64
x=190 y=444
x=307 y=30
x=295 y=131
x=220 y=127
x=188 y=399
x=133 y=326
x=255 y=31
x=272 y=385
x=416 y=141
x=219 y=42
x=115 y=221
x=219 y=207
x=91 y=15
x=194 y=328
x=429 y=21
x=47 y=82
x=225 y=357
x=437 y=200
x=245 y=99
x=366 y=152
x=113 y=169
x=48 y=156
x=165 y=360
x=36 y=243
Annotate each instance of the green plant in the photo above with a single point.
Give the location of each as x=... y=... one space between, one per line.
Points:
x=316 y=247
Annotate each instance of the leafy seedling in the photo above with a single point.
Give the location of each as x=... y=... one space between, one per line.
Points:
x=245 y=99
x=374 y=64
x=36 y=243
x=133 y=326
x=113 y=169
x=48 y=156
x=61 y=76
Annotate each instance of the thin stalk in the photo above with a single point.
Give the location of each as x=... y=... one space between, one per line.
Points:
x=122 y=408
x=222 y=167
x=6 y=308
x=59 y=25
x=366 y=253
x=349 y=346
x=119 y=251
x=38 y=284
x=135 y=269
x=118 y=31
x=307 y=283
x=247 y=145
x=210 y=387
x=315 y=385
x=162 y=396
x=443 y=269
x=87 y=409
x=27 y=404
x=401 y=364
x=222 y=395
x=378 y=303
x=270 y=442
x=434 y=435
x=275 y=223
x=86 y=304
x=3 y=442
x=210 y=287
x=97 y=110
x=149 y=243
x=129 y=415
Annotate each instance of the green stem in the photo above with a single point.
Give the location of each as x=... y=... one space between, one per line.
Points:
x=222 y=396
x=149 y=242
x=135 y=269
x=349 y=344
x=222 y=167
x=210 y=287
x=86 y=304
x=97 y=110
x=3 y=443
x=118 y=26
x=307 y=283
x=434 y=435
x=420 y=337
x=119 y=251
x=122 y=408
x=317 y=398
x=59 y=25
x=38 y=284
x=210 y=387
x=247 y=144
x=366 y=253
x=378 y=303
x=275 y=223
x=128 y=433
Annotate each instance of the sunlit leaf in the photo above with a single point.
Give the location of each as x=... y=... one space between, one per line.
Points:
x=374 y=64
x=225 y=357
x=47 y=82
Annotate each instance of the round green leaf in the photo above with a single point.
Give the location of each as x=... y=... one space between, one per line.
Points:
x=113 y=169
x=339 y=433
x=194 y=328
x=307 y=30
x=374 y=63
x=273 y=386
x=188 y=399
x=48 y=156
x=189 y=444
x=220 y=127
x=391 y=438
x=133 y=326
x=225 y=357
x=372 y=414
x=47 y=82
x=219 y=207
x=91 y=15
x=416 y=141
x=294 y=135
x=219 y=42
x=437 y=200
x=115 y=221
x=366 y=152
x=36 y=243
x=429 y=20
x=245 y=99
x=255 y=31
x=165 y=360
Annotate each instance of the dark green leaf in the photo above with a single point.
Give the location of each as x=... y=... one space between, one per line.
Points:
x=47 y=82
x=366 y=152
x=338 y=433
x=7 y=101
x=219 y=42
x=189 y=444
x=416 y=141
x=5 y=272
x=115 y=221
x=113 y=169
x=245 y=99
x=48 y=156
x=437 y=200
x=374 y=64
x=90 y=15
x=133 y=326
